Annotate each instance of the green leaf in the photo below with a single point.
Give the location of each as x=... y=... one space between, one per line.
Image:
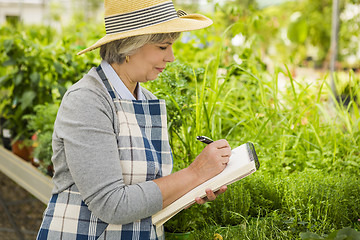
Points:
x=353 y=163
x=58 y=68
x=9 y=62
x=347 y=233
x=356 y=113
x=27 y=99
x=8 y=43
x=309 y=236
x=35 y=77
x=3 y=79
x=298 y=31
x=18 y=79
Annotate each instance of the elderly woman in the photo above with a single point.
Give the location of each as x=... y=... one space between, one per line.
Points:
x=111 y=153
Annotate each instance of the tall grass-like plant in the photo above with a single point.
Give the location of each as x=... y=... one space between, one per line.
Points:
x=295 y=129
x=195 y=97
x=298 y=128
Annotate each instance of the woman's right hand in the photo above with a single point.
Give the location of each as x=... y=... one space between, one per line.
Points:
x=212 y=160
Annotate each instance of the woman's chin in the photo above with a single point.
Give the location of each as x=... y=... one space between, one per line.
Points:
x=152 y=78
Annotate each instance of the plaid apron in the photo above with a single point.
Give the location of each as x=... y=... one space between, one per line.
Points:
x=142 y=138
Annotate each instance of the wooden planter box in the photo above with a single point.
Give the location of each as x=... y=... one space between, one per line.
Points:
x=26 y=175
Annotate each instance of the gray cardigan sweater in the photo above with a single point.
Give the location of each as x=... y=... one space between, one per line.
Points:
x=85 y=153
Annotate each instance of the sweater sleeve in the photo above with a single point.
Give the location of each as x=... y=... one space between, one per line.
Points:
x=85 y=125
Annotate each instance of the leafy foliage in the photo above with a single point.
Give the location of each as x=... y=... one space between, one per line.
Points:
x=35 y=71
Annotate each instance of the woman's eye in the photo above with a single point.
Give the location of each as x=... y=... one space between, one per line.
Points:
x=162 y=48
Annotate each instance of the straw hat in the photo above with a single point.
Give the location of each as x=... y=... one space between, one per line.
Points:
x=126 y=18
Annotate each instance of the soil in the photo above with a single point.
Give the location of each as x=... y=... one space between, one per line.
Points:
x=20 y=212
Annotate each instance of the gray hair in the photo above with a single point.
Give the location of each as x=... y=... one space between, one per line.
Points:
x=116 y=51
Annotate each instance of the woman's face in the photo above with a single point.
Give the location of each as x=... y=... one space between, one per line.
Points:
x=150 y=60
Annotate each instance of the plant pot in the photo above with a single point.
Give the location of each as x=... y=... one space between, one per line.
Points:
x=50 y=170
x=6 y=140
x=5 y=134
x=179 y=236
x=20 y=149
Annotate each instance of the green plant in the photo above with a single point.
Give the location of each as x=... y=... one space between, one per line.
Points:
x=237 y=201
x=25 y=63
x=188 y=220
x=281 y=207
x=35 y=72
x=42 y=123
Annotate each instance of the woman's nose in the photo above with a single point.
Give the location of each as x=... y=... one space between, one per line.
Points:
x=169 y=55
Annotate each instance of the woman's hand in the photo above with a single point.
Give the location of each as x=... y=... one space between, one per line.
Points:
x=210 y=195
x=212 y=160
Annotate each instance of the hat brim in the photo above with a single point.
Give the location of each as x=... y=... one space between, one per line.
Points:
x=181 y=24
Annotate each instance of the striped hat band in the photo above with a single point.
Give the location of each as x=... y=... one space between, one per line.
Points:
x=141 y=18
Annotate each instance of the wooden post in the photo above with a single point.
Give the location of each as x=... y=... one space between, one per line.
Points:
x=334 y=43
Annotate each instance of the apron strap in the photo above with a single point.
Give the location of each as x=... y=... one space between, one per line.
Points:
x=105 y=81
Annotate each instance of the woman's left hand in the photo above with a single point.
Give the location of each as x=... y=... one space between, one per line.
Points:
x=210 y=195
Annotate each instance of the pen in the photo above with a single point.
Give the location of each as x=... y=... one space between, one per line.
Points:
x=204 y=139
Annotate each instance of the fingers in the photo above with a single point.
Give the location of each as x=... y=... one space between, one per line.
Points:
x=221 y=190
x=222 y=143
x=223 y=150
x=200 y=200
x=223 y=147
x=212 y=160
x=225 y=155
x=210 y=195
